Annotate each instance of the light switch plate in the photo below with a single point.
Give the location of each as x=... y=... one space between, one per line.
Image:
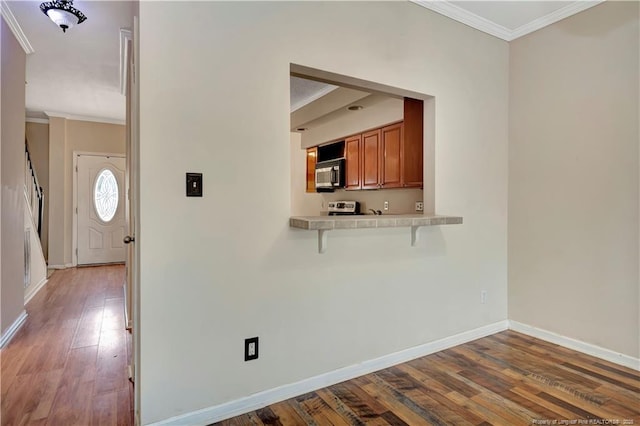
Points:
x=194 y=184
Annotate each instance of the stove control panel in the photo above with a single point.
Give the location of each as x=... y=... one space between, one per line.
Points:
x=344 y=207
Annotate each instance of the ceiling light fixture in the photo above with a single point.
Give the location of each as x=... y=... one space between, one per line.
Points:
x=355 y=107
x=63 y=14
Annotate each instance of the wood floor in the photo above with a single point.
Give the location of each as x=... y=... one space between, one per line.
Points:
x=504 y=379
x=67 y=365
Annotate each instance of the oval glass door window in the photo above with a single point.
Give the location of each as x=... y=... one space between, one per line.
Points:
x=105 y=195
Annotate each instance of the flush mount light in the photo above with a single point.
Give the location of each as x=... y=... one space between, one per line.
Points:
x=62 y=13
x=355 y=107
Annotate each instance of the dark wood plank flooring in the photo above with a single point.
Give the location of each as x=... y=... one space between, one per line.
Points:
x=68 y=364
x=504 y=379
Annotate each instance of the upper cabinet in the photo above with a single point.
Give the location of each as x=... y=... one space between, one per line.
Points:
x=412 y=150
x=388 y=157
x=385 y=157
x=312 y=155
x=352 y=162
x=391 y=160
x=370 y=160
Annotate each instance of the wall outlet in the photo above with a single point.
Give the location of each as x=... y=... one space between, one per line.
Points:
x=386 y=206
x=483 y=296
x=251 y=349
x=419 y=206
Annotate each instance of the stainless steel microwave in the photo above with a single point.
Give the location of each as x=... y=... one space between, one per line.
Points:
x=330 y=175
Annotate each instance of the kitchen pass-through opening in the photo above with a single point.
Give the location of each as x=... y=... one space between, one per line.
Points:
x=379 y=139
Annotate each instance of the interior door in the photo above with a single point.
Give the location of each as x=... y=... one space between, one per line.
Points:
x=133 y=270
x=130 y=180
x=101 y=209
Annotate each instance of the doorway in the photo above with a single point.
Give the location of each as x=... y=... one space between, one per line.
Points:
x=101 y=212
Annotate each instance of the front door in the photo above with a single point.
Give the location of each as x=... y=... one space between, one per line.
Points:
x=101 y=209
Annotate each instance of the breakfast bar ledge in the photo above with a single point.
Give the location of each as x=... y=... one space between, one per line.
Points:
x=322 y=224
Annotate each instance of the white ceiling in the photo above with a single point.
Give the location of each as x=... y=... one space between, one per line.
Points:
x=77 y=74
x=507 y=20
x=303 y=91
x=511 y=14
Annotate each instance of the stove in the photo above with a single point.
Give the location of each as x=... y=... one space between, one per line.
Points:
x=339 y=208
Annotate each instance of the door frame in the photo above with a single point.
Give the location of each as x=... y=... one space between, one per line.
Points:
x=74 y=208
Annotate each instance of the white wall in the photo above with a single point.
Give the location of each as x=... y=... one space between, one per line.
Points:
x=303 y=203
x=12 y=73
x=218 y=269
x=573 y=178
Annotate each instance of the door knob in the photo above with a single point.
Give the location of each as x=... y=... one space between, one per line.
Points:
x=128 y=239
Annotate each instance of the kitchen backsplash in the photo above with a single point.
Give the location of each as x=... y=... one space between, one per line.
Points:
x=401 y=201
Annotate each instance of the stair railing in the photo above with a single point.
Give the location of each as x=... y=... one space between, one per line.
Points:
x=33 y=192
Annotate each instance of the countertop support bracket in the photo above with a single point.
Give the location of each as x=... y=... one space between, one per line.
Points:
x=414 y=235
x=322 y=240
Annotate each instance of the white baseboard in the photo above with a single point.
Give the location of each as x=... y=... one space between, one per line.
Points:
x=35 y=290
x=271 y=396
x=576 y=345
x=13 y=329
x=68 y=265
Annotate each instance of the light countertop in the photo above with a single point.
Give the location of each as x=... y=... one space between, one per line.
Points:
x=314 y=223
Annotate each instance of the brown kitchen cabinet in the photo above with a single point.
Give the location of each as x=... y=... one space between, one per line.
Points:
x=391 y=156
x=374 y=158
x=370 y=160
x=383 y=158
x=412 y=147
x=312 y=155
x=352 y=163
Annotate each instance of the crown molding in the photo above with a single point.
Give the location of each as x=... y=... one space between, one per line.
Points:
x=468 y=18
x=125 y=36
x=444 y=7
x=553 y=17
x=12 y=22
x=84 y=118
x=37 y=120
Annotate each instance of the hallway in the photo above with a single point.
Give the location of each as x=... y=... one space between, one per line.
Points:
x=68 y=363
